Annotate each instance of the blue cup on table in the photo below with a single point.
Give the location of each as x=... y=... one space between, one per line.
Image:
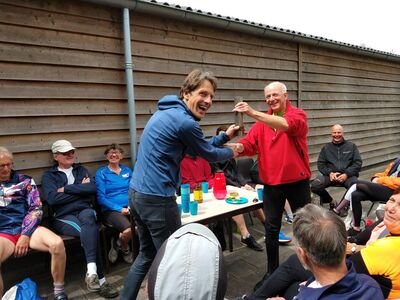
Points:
x=260 y=194
x=194 y=206
x=180 y=210
x=185 y=197
x=204 y=187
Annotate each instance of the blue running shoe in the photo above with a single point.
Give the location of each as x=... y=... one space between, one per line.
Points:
x=283 y=239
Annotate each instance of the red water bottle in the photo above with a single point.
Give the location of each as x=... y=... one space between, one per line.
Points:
x=219 y=188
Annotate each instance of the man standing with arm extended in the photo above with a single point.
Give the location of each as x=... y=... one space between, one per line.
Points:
x=170 y=133
x=280 y=139
x=339 y=163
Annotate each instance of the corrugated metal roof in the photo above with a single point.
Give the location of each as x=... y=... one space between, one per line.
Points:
x=272 y=28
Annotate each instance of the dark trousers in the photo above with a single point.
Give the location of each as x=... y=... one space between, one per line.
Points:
x=367 y=190
x=156 y=219
x=83 y=225
x=283 y=282
x=319 y=185
x=274 y=197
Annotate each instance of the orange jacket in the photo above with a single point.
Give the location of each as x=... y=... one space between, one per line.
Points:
x=385 y=179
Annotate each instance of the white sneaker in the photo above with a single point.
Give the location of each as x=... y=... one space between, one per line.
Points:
x=113 y=253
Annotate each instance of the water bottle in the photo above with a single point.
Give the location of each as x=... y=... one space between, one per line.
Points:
x=219 y=189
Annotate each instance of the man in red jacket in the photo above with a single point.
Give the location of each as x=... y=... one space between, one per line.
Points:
x=279 y=137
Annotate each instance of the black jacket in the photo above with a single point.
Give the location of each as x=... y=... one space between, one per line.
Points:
x=75 y=198
x=342 y=158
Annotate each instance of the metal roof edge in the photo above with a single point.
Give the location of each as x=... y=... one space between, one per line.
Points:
x=229 y=23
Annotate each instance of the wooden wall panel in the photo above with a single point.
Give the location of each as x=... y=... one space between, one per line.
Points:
x=62 y=76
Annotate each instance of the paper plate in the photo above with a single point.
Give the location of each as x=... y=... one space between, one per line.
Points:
x=241 y=200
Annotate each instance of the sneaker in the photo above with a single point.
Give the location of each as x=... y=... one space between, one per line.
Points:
x=92 y=282
x=61 y=296
x=108 y=290
x=352 y=232
x=283 y=238
x=288 y=218
x=251 y=243
x=113 y=254
x=127 y=256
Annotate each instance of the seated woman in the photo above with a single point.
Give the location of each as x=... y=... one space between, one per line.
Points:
x=380 y=189
x=383 y=243
x=112 y=182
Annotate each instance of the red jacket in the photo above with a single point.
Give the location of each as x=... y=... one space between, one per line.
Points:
x=282 y=156
x=195 y=171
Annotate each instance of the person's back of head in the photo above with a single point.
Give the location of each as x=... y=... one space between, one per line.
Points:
x=321 y=234
x=189 y=265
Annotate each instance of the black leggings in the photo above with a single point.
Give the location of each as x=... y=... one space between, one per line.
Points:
x=298 y=194
x=367 y=190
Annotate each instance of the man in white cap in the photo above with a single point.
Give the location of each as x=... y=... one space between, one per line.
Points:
x=69 y=190
x=189 y=265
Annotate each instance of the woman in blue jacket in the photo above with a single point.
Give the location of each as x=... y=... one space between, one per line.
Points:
x=112 y=182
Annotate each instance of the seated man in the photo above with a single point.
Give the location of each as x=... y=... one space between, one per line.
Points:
x=69 y=191
x=339 y=163
x=379 y=259
x=197 y=170
x=20 y=215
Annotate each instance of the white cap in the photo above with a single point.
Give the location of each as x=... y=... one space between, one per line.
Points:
x=62 y=146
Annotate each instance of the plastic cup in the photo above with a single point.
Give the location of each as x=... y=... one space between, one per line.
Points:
x=180 y=210
x=193 y=207
x=204 y=187
x=185 y=197
x=260 y=194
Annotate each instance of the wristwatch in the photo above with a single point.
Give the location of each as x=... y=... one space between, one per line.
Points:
x=353 y=249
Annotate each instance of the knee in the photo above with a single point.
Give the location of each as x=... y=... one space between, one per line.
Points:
x=57 y=247
x=316 y=185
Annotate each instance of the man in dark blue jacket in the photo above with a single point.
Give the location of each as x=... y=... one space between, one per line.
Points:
x=69 y=191
x=321 y=239
x=171 y=132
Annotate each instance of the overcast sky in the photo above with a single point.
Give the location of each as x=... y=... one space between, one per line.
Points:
x=369 y=23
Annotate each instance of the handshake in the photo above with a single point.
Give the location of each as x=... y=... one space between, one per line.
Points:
x=237 y=148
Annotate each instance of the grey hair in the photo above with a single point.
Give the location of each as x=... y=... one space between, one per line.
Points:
x=321 y=234
x=5 y=152
x=277 y=84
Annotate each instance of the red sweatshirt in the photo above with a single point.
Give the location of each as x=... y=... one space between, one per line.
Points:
x=282 y=155
x=195 y=171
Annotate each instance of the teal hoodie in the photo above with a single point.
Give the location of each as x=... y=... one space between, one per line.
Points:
x=170 y=133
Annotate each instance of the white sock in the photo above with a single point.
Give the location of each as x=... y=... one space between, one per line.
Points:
x=102 y=281
x=91 y=268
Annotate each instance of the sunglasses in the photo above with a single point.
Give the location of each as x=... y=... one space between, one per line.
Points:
x=70 y=152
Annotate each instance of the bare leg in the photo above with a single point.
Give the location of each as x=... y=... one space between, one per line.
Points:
x=45 y=240
x=259 y=213
x=287 y=207
x=125 y=237
x=6 y=250
x=239 y=220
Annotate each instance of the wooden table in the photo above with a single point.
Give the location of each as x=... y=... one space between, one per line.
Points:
x=215 y=210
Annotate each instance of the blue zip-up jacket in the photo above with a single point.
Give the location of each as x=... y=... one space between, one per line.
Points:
x=112 y=189
x=352 y=286
x=75 y=197
x=20 y=205
x=170 y=133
